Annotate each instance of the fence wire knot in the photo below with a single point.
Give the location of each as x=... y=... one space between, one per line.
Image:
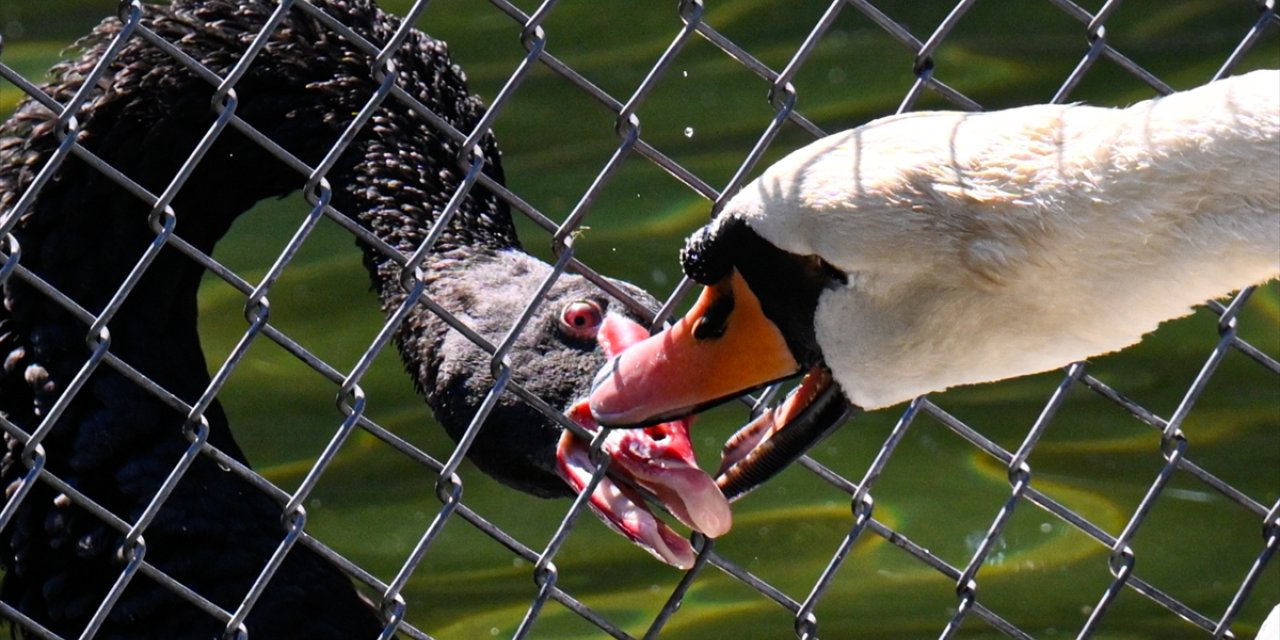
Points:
x=449 y=489
x=807 y=627
x=10 y=257
x=1121 y=562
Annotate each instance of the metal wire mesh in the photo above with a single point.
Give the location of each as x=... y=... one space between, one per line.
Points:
x=689 y=22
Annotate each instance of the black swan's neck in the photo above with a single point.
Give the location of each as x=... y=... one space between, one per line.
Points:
x=116 y=442
x=302 y=91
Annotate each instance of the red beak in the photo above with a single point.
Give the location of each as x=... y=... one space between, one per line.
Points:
x=658 y=459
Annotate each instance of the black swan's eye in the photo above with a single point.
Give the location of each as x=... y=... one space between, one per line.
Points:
x=581 y=319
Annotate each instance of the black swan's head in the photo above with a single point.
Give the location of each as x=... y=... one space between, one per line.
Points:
x=116 y=440
x=553 y=357
x=568 y=336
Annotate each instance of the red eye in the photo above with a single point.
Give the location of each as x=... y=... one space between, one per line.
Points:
x=581 y=319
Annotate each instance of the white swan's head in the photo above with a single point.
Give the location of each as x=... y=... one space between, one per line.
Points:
x=930 y=250
x=752 y=325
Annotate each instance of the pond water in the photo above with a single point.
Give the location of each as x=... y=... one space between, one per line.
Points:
x=706 y=113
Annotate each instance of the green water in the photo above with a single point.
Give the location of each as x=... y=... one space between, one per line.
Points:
x=706 y=113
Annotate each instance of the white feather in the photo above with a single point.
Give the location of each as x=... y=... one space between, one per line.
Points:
x=982 y=246
x=1271 y=626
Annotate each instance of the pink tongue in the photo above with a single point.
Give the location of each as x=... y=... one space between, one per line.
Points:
x=659 y=459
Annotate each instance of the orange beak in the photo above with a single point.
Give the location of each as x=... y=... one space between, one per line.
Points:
x=722 y=348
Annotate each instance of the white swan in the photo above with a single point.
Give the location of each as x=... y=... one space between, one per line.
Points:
x=929 y=250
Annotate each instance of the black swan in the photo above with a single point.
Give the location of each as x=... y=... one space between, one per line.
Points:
x=115 y=442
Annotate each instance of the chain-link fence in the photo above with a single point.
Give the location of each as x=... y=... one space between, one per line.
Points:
x=922 y=56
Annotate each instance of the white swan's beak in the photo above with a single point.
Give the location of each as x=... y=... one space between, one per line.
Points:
x=782 y=434
x=658 y=459
x=722 y=348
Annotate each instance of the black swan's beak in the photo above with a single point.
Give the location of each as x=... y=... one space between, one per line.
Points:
x=659 y=459
x=722 y=348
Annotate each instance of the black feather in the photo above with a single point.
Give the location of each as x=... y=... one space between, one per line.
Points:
x=115 y=441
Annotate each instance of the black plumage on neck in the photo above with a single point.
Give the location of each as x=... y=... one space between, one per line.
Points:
x=116 y=442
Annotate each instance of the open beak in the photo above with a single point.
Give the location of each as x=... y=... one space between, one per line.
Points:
x=658 y=459
x=782 y=434
x=722 y=348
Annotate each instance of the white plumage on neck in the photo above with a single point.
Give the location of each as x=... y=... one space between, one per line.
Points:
x=982 y=246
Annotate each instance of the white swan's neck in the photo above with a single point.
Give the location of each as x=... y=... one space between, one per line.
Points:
x=987 y=246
